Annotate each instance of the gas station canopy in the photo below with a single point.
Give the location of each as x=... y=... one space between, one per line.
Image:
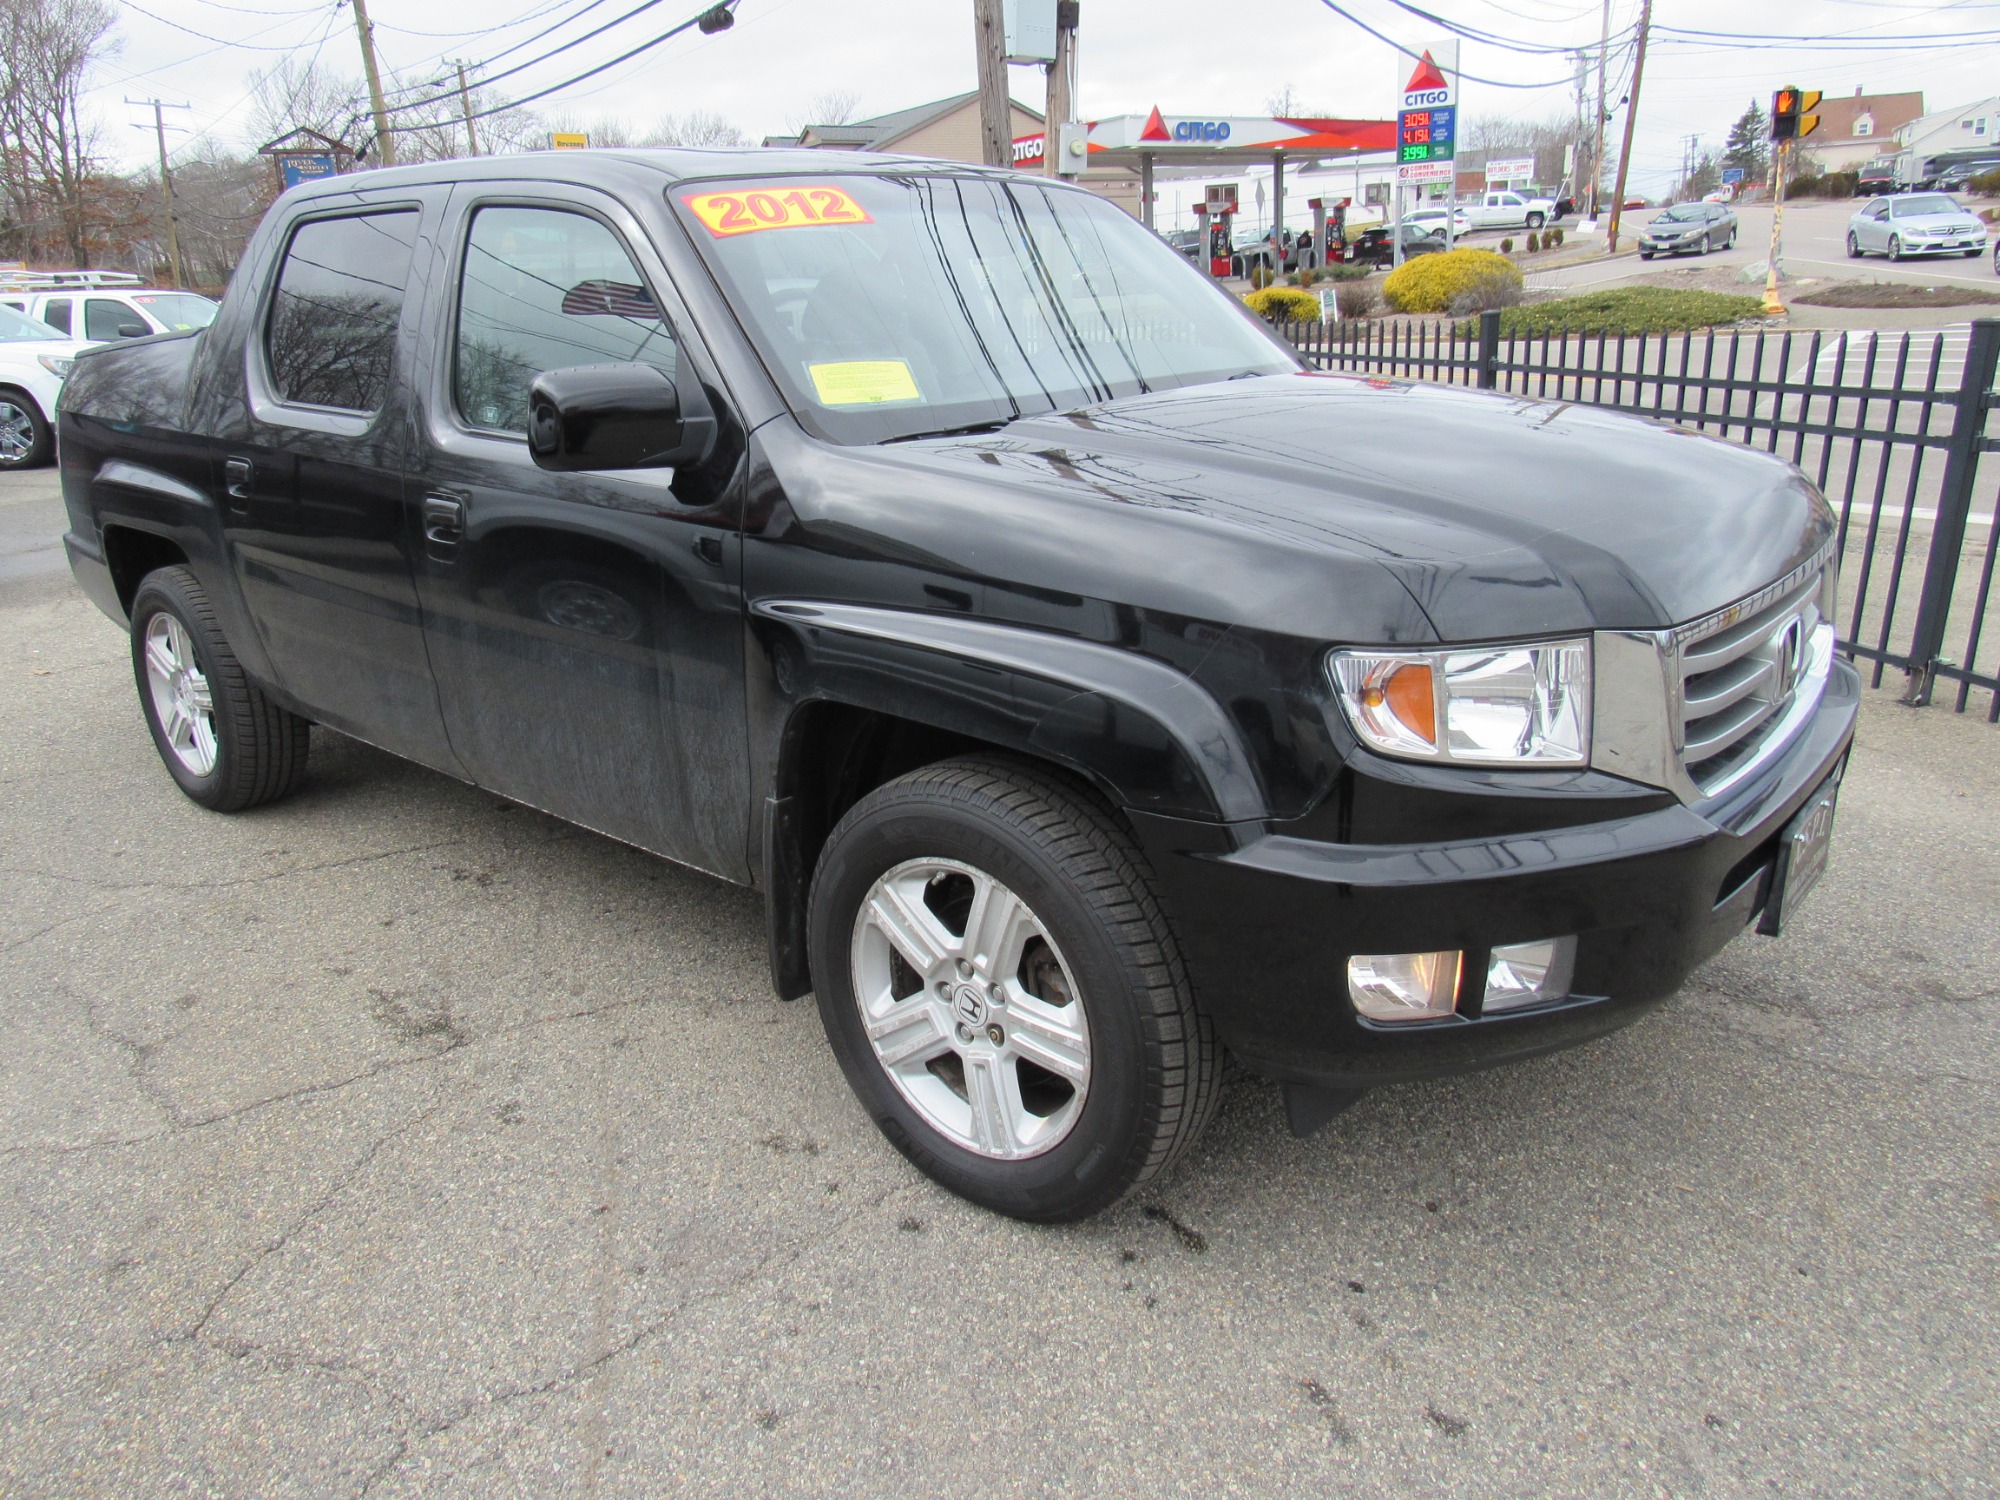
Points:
x=1210 y=140
x=1196 y=142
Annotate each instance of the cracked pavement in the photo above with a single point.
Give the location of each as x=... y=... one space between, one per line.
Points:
x=398 y=1141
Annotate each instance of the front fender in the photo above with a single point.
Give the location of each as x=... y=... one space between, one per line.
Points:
x=1143 y=731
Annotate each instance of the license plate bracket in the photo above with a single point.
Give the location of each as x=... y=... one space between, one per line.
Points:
x=1804 y=848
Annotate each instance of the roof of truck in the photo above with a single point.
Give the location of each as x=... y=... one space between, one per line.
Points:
x=609 y=168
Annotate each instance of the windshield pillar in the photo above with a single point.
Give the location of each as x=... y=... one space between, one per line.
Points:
x=1277 y=214
x=1146 y=188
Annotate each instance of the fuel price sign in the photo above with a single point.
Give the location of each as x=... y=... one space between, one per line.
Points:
x=1426 y=134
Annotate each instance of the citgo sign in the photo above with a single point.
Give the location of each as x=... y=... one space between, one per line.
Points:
x=1201 y=130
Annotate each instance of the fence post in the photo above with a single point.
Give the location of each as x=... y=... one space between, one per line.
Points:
x=1961 y=468
x=1489 y=349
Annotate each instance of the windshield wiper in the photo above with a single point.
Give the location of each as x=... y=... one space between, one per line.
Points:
x=966 y=431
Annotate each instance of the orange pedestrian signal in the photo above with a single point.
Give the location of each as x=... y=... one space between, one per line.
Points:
x=1787 y=106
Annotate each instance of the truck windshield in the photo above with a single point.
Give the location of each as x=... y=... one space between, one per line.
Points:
x=894 y=306
x=178 y=310
x=15 y=326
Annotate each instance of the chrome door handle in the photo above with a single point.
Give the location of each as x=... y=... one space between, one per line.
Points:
x=444 y=522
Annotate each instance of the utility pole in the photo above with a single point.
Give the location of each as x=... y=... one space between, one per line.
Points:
x=1631 y=114
x=1062 y=92
x=465 y=103
x=158 y=107
x=385 y=143
x=1597 y=151
x=1689 y=145
x=996 y=134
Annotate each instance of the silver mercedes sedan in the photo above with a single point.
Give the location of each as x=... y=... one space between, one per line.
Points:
x=1915 y=224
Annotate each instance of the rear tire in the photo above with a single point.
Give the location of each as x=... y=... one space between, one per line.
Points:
x=1853 y=246
x=223 y=741
x=26 y=440
x=931 y=1000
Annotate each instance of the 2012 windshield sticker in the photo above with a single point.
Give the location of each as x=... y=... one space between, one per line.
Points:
x=864 y=382
x=724 y=214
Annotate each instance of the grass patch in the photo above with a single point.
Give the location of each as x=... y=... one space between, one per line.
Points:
x=1894 y=294
x=1629 y=309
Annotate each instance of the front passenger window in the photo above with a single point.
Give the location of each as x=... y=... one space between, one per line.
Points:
x=544 y=289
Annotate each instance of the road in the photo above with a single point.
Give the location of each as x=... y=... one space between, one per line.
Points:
x=1815 y=246
x=398 y=1140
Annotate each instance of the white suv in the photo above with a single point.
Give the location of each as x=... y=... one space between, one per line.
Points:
x=105 y=315
x=34 y=360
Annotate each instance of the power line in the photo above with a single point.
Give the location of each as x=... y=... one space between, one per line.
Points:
x=1487 y=38
x=1350 y=17
x=204 y=36
x=640 y=8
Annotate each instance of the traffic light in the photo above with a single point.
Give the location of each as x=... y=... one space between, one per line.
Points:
x=1792 y=113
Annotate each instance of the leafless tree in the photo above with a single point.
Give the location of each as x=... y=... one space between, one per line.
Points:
x=834 y=107
x=48 y=158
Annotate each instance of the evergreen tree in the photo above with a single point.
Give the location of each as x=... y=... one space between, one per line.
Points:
x=1749 y=146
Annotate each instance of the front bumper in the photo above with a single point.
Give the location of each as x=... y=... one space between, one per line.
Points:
x=1268 y=920
x=1960 y=245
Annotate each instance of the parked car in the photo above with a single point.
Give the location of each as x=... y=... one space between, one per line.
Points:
x=104 y=315
x=1915 y=224
x=1504 y=209
x=1091 y=689
x=1432 y=221
x=1957 y=178
x=1186 y=241
x=1689 y=227
x=34 y=362
x=1877 y=176
x=1253 y=249
x=1375 y=247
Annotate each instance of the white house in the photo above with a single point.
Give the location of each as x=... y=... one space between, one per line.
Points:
x=1926 y=146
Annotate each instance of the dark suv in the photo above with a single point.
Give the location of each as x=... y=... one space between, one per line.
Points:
x=1088 y=685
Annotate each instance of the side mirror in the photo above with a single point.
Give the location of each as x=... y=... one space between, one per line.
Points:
x=133 y=330
x=626 y=416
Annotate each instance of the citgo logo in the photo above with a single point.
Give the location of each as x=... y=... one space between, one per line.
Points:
x=1201 y=130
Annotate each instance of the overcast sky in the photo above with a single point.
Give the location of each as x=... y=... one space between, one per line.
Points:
x=1187 y=56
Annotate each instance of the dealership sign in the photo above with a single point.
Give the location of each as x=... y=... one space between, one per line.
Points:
x=1427 y=124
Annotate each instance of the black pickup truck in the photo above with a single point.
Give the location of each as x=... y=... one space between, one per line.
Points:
x=1092 y=689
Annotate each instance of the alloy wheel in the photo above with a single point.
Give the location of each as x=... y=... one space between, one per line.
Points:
x=181 y=698
x=17 y=433
x=971 y=1008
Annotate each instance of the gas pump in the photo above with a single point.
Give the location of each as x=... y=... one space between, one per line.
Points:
x=1219 y=205
x=1336 y=226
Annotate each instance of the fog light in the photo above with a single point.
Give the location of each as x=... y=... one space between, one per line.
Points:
x=1403 y=986
x=1529 y=973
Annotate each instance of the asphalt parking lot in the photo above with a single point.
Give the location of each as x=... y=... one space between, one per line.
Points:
x=396 y=1140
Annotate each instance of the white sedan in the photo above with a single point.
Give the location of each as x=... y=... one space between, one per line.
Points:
x=1915 y=224
x=34 y=358
x=1431 y=221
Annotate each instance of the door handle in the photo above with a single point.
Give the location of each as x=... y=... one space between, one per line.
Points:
x=237 y=475
x=444 y=523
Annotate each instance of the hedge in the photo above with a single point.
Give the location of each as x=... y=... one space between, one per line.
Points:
x=1632 y=309
x=1452 y=281
x=1283 y=304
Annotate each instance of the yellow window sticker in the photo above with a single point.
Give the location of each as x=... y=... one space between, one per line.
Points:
x=864 y=382
x=725 y=214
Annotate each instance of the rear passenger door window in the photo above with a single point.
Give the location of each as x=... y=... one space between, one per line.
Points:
x=330 y=340
x=55 y=313
x=545 y=289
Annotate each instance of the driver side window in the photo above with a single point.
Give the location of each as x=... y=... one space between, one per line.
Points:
x=544 y=289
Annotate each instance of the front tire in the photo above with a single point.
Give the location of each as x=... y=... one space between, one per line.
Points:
x=1536 y=221
x=226 y=745
x=26 y=441
x=1895 y=247
x=1707 y=244
x=1002 y=988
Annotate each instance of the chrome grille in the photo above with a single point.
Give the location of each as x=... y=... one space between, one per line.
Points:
x=1741 y=669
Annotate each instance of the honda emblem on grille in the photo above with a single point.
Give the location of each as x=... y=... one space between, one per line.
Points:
x=1791 y=658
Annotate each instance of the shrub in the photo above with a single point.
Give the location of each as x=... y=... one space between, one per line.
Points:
x=1451 y=279
x=1807 y=186
x=1840 y=185
x=1306 y=277
x=1534 y=242
x=1507 y=245
x=1632 y=309
x=1553 y=237
x=1344 y=272
x=1356 y=300
x=1283 y=304
x=1986 y=184
x=1260 y=277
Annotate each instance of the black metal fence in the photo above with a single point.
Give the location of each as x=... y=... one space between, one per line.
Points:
x=1891 y=427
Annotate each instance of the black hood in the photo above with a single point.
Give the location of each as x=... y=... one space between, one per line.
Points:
x=1262 y=500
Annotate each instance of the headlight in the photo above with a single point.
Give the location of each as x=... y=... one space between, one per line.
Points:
x=55 y=364
x=1482 y=705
